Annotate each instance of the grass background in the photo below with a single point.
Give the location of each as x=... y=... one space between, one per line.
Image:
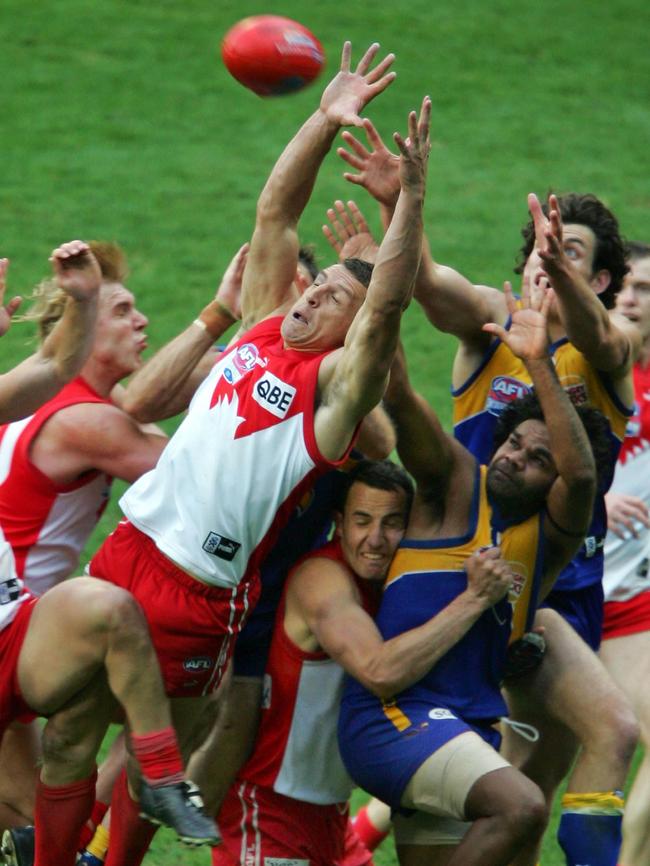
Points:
x=119 y=122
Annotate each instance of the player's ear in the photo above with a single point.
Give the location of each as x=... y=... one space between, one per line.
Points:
x=338 y=524
x=301 y=282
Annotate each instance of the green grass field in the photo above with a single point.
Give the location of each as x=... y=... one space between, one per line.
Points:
x=119 y=122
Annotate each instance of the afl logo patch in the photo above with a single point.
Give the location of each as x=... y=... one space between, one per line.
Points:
x=503 y=390
x=200 y=663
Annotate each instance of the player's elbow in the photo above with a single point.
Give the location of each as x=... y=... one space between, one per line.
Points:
x=381 y=680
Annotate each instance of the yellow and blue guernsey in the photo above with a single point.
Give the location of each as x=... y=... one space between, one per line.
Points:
x=383 y=743
x=501 y=379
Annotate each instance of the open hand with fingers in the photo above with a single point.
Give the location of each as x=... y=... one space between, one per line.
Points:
x=348 y=233
x=548 y=236
x=527 y=337
x=415 y=150
x=350 y=91
x=376 y=166
x=6 y=310
x=626 y=514
x=76 y=270
x=489 y=577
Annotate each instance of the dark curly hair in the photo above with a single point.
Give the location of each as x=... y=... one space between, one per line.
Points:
x=380 y=474
x=595 y=423
x=359 y=269
x=610 y=252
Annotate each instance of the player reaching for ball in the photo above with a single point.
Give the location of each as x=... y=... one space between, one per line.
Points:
x=280 y=407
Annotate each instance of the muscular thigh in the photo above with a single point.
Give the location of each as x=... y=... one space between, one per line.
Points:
x=627 y=659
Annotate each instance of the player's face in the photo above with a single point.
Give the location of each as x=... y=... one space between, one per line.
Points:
x=320 y=318
x=579 y=244
x=372 y=525
x=522 y=470
x=633 y=301
x=119 y=333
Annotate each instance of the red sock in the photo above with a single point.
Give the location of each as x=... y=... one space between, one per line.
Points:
x=59 y=815
x=88 y=829
x=159 y=756
x=366 y=830
x=131 y=835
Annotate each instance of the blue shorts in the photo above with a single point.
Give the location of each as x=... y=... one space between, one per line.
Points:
x=583 y=609
x=383 y=746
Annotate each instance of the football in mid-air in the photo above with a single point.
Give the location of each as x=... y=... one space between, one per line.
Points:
x=272 y=55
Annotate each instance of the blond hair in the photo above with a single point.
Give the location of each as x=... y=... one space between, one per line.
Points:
x=49 y=300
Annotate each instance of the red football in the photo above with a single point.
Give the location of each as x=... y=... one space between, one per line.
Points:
x=272 y=55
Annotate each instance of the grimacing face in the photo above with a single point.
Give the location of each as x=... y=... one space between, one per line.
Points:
x=522 y=469
x=371 y=527
x=320 y=318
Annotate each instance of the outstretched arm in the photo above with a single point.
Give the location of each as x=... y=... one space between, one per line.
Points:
x=352 y=381
x=165 y=385
x=609 y=342
x=340 y=626
x=61 y=356
x=274 y=246
x=451 y=302
x=570 y=500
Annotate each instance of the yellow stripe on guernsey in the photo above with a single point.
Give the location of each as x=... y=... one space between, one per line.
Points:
x=396 y=716
x=519 y=545
x=503 y=370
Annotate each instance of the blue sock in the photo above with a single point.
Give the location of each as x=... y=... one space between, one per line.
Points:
x=590 y=829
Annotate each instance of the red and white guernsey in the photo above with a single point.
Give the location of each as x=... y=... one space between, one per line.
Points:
x=12 y=591
x=296 y=751
x=627 y=561
x=244 y=455
x=47 y=524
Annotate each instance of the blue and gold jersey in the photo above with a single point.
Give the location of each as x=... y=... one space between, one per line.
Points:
x=426 y=576
x=502 y=378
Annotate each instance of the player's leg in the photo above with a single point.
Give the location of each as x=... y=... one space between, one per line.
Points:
x=627 y=659
x=214 y=765
x=574 y=699
x=20 y=754
x=96 y=626
x=467 y=780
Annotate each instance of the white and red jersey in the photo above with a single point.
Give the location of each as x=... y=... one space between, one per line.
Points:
x=296 y=751
x=47 y=524
x=627 y=561
x=244 y=455
x=12 y=590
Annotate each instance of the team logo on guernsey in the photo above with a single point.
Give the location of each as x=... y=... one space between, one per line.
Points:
x=274 y=395
x=520 y=576
x=503 y=390
x=219 y=545
x=441 y=713
x=241 y=362
x=576 y=388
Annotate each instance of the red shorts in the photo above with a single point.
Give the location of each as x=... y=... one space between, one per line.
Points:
x=627 y=617
x=193 y=625
x=256 y=824
x=12 y=636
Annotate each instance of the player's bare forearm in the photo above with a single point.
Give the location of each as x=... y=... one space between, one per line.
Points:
x=164 y=386
x=69 y=343
x=569 y=442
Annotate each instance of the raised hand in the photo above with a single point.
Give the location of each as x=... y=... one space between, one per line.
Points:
x=527 y=337
x=348 y=233
x=625 y=514
x=349 y=92
x=6 y=310
x=377 y=167
x=76 y=270
x=548 y=235
x=229 y=291
x=415 y=149
x=489 y=577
